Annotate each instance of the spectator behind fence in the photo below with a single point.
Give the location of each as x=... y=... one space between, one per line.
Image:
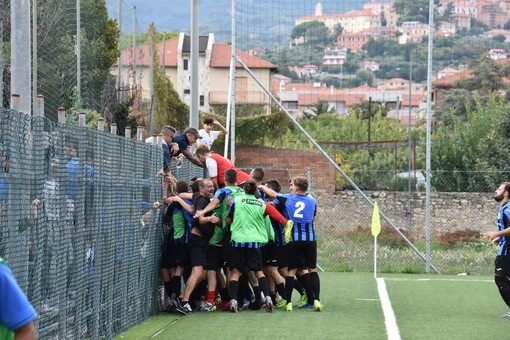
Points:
x=16 y=313
x=185 y=140
x=216 y=165
x=207 y=133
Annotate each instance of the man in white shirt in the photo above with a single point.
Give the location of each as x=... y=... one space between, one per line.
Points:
x=208 y=135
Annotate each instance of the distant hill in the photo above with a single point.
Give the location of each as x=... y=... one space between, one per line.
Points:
x=174 y=15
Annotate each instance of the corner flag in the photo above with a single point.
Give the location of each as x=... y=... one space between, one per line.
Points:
x=376 y=223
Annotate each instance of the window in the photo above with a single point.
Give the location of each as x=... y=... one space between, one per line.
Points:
x=187 y=91
x=185 y=66
x=202 y=100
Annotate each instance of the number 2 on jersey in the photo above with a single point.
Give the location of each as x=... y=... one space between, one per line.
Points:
x=299 y=208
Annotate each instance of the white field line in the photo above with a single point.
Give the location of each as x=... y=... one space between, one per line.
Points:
x=427 y=279
x=389 y=317
x=163 y=329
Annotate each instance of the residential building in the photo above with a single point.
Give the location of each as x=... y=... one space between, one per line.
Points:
x=461 y=21
x=305 y=71
x=214 y=74
x=299 y=97
x=491 y=14
x=464 y=7
x=351 y=22
x=495 y=32
x=497 y=53
x=353 y=41
x=334 y=56
x=385 y=10
x=370 y=65
x=446 y=72
x=412 y=31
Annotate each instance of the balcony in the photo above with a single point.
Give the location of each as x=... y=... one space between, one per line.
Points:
x=242 y=97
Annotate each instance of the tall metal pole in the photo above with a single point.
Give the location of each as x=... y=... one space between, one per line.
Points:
x=429 y=130
x=2 y=64
x=78 y=51
x=151 y=125
x=134 y=45
x=231 y=101
x=193 y=116
x=409 y=214
x=21 y=53
x=34 y=57
x=163 y=55
x=119 y=82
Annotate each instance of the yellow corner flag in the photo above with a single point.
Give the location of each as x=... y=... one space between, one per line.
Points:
x=376 y=223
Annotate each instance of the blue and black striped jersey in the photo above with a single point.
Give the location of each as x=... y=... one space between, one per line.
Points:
x=503 y=223
x=301 y=209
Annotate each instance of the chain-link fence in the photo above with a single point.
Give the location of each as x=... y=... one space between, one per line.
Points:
x=72 y=70
x=458 y=218
x=78 y=225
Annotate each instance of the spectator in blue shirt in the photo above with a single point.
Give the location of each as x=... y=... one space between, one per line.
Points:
x=184 y=141
x=16 y=313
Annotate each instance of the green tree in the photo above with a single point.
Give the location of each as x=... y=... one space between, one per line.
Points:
x=308 y=30
x=453 y=104
x=417 y=10
x=487 y=76
x=365 y=76
x=472 y=156
x=499 y=38
x=337 y=30
x=168 y=107
x=57 y=53
x=365 y=109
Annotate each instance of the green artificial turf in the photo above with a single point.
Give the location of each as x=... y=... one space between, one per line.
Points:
x=425 y=306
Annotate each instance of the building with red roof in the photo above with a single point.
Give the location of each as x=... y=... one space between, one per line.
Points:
x=214 y=71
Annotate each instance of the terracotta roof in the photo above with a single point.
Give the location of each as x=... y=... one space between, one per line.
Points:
x=143 y=54
x=221 y=55
x=351 y=14
x=282 y=77
x=449 y=81
x=396 y=80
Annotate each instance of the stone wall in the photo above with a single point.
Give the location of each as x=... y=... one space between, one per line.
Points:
x=348 y=210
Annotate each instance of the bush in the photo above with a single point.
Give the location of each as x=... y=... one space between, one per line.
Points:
x=388 y=237
x=458 y=238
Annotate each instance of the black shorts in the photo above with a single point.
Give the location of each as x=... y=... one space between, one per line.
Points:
x=166 y=255
x=302 y=254
x=268 y=255
x=178 y=257
x=502 y=266
x=281 y=257
x=197 y=250
x=214 y=257
x=239 y=258
x=226 y=247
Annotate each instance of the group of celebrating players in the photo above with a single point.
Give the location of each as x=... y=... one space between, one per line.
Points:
x=240 y=244
x=236 y=242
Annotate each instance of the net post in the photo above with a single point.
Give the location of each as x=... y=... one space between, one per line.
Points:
x=100 y=124
x=39 y=106
x=61 y=114
x=82 y=121
x=15 y=98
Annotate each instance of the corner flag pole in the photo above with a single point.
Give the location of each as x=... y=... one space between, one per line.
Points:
x=376 y=229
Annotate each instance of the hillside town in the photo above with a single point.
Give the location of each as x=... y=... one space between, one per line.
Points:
x=301 y=87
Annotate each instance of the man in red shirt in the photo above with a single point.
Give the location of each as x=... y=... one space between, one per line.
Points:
x=216 y=165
